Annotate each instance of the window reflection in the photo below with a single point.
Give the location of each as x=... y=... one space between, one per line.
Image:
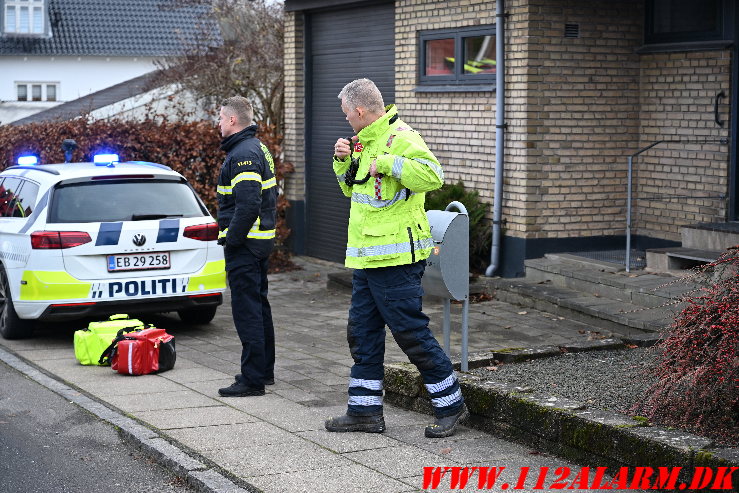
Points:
x=439 y=57
x=479 y=55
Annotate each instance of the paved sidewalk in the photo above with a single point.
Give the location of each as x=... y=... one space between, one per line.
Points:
x=277 y=443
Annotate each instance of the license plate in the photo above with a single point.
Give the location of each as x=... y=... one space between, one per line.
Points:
x=138 y=261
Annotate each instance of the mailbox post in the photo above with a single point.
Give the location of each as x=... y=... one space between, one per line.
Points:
x=448 y=267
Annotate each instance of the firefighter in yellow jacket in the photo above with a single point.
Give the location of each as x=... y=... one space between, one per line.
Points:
x=385 y=169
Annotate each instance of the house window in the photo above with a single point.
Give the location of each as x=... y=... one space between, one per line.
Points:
x=684 y=21
x=36 y=91
x=457 y=56
x=24 y=16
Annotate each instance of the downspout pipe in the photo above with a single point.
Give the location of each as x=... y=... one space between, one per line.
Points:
x=499 y=136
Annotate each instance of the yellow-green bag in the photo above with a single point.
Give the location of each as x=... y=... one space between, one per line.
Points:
x=90 y=343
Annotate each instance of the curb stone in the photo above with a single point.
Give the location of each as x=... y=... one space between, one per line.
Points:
x=563 y=427
x=519 y=355
x=196 y=473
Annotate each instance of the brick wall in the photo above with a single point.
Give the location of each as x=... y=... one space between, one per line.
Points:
x=294 y=148
x=575 y=109
x=679 y=184
x=572 y=107
x=581 y=115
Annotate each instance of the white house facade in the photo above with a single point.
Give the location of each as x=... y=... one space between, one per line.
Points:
x=56 y=51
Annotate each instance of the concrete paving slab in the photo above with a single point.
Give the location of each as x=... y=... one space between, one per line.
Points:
x=292 y=417
x=295 y=395
x=170 y=419
x=399 y=462
x=249 y=461
x=342 y=443
x=217 y=437
x=152 y=402
x=195 y=374
x=346 y=479
x=486 y=450
x=46 y=354
x=73 y=372
x=128 y=385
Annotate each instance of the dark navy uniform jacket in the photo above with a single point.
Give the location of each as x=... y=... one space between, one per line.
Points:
x=247 y=195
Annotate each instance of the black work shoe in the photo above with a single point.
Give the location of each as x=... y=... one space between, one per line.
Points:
x=237 y=389
x=446 y=426
x=267 y=381
x=367 y=424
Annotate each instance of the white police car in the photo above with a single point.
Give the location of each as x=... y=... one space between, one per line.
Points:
x=92 y=239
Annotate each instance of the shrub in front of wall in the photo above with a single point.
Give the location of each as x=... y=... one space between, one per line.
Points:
x=698 y=360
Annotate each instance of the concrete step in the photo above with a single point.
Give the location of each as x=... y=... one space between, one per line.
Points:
x=710 y=236
x=607 y=281
x=622 y=318
x=678 y=259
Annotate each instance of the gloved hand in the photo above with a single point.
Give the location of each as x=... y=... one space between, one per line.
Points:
x=222 y=241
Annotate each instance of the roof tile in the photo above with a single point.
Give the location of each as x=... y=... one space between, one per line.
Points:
x=115 y=28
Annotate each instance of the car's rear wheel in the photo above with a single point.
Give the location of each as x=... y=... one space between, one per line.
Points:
x=198 y=316
x=11 y=327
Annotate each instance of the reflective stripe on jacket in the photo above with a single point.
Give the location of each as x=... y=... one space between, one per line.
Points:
x=387 y=221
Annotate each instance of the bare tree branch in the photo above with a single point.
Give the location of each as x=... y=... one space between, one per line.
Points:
x=248 y=62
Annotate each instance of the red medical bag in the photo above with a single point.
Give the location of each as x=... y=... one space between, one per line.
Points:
x=150 y=350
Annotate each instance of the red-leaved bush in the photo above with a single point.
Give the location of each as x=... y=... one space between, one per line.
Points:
x=697 y=373
x=188 y=147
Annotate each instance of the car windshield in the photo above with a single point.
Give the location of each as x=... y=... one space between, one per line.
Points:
x=121 y=200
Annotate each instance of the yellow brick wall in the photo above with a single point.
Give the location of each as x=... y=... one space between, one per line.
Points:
x=293 y=147
x=581 y=108
x=681 y=183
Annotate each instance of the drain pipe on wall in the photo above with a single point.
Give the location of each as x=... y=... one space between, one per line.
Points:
x=499 y=136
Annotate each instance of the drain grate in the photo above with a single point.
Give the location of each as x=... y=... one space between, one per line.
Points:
x=638 y=258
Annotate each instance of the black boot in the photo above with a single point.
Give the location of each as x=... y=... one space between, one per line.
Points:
x=367 y=424
x=446 y=426
x=237 y=389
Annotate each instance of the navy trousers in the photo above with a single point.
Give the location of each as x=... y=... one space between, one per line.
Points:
x=252 y=316
x=392 y=296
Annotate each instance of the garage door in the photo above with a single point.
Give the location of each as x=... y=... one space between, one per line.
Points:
x=343 y=45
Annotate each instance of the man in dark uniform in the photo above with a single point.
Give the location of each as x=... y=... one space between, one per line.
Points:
x=247 y=193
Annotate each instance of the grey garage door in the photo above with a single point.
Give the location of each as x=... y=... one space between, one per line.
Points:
x=343 y=45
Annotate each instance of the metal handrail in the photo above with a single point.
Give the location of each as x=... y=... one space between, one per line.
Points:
x=722 y=140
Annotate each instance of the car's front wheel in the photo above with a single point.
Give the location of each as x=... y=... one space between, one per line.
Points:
x=11 y=326
x=198 y=316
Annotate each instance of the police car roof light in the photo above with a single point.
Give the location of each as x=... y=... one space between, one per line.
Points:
x=105 y=159
x=27 y=160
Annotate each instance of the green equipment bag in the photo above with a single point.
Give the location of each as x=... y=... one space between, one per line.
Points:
x=90 y=343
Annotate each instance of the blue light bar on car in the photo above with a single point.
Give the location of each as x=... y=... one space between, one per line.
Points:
x=105 y=158
x=27 y=160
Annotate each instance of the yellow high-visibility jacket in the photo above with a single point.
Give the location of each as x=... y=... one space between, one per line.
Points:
x=387 y=221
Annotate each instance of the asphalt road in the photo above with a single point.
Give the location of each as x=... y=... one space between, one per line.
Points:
x=49 y=445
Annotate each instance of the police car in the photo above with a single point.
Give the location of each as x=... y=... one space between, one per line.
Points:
x=103 y=237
